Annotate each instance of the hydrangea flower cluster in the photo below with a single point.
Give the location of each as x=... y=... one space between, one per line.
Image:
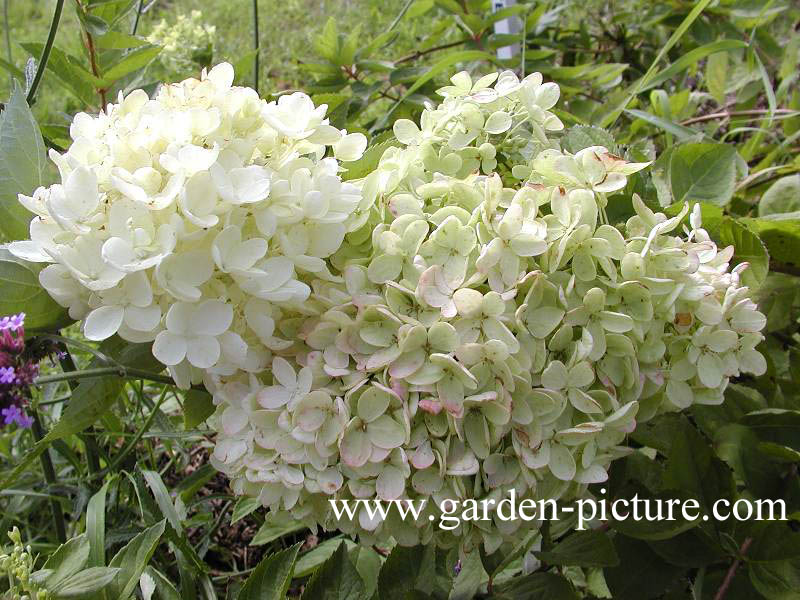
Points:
x=462 y=322
x=185 y=44
x=182 y=219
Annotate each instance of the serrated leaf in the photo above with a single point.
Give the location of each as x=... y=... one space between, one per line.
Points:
x=579 y=137
x=23 y=164
x=538 y=586
x=312 y=559
x=405 y=571
x=582 y=549
x=780 y=234
x=717 y=76
x=271 y=578
x=336 y=579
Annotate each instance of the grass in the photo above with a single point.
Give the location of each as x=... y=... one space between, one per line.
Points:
x=287 y=28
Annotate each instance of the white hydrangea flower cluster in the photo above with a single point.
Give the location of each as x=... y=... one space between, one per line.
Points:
x=428 y=332
x=487 y=338
x=185 y=43
x=187 y=218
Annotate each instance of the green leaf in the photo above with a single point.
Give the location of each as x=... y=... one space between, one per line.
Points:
x=582 y=549
x=775 y=541
x=197 y=407
x=405 y=571
x=367 y=163
x=778 y=580
x=70 y=72
x=703 y=171
x=274 y=528
x=336 y=579
x=780 y=235
x=783 y=196
x=165 y=589
x=68 y=559
x=679 y=131
x=163 y=499
x=133 y=61
x=116 y=40
x=748 y=248
x=271 y=578
x=96 y=527
x=84 y=583
x=692 y=467
x=132 y=560
x=717 y=76
x=23 y=161
x=23 y=293
x=538 y=586
x=641 y=572
x=469 y=578
x=326 y=44
x=776 y=425
x=312 y=559
x=579 y=137
x=244 y=507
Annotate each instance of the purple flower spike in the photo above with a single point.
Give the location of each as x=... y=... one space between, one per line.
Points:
x=13 y=414
x=7 y=375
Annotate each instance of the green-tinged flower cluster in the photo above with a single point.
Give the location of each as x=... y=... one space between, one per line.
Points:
x=186 y=44
x=482 y=337
x=428 y=332
x=18 y=567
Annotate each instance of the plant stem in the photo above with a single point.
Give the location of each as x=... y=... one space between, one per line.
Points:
x=50 y=478
x=92 y=451
x=138 y=16
x=723 y=589
x=256 y=45
x=48 y=46
x=737 y=113
x=119 y=371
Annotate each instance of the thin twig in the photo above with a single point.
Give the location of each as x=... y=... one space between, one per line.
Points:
x=119 y=371
x=421 y=53
x=92 y=451
x=50 y=478
x=256 y=45
x=9 y=56
x=725 y=114
x=723 y=589
x=138 y=16
x=48 y=46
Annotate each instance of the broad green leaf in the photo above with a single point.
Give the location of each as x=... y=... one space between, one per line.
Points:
x=133 y=61
x=244 y=507
x=273 y=528
x=582 y=549
x=116 y=40
x=312 y=559
x=271 y=578
x=777 y=580
x=367 y=163
x=748 y=248
x=369 y=564
x=659 y=529
x=68 y=559
x=23 y=293
x=405 y=571
x=692 y=467
x=776 y=425
x=641 y=572
x=197 y=407
x=132 y=560
x=23 y=162
x=694 y=548
x=70 y=72
x=775 y=540
x=165 y=589
x=538 y=586
x=469 y=578
x=783 y=196
x=579 y=137
x=705 y=172
x=326 y=44
x=84 y=583
x=780 y=234
x=336 y=579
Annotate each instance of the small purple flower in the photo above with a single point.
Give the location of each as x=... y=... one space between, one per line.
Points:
x=13 y=322
x=7 y=375
x=14 y=414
